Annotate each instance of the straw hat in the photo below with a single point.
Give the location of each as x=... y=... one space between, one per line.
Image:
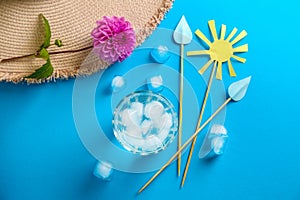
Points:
x=71 y=21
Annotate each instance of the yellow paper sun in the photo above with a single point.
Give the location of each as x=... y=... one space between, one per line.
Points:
x=221 y=50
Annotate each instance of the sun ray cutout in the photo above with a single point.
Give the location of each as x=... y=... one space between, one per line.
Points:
x=221 y=50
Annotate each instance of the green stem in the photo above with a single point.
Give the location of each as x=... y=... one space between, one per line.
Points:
x=71 y=51
x=50 y=53
x=18 y=57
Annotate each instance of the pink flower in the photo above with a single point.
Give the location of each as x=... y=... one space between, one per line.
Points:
x=113 y=39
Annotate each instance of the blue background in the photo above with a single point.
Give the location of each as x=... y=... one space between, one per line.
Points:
x=42 y=157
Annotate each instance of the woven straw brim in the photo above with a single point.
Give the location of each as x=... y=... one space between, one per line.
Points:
x=72 y=22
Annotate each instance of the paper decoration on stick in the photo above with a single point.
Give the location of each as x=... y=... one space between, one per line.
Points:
x=182 y=33
x=221 y=50
x=182 y=36
x=239 y=88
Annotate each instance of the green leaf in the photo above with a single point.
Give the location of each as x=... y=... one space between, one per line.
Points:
x=47 y=31
x=43 y=53
x=58 y=43
x=43 y=72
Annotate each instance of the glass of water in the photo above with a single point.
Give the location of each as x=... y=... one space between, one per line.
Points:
x=145 y=122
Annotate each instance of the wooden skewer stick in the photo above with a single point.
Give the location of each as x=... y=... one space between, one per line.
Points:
x=185 y=144
x=182 y=35
x=198 y=124
x=180 y=108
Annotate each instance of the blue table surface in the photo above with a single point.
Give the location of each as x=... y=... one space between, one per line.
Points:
x=42 y=157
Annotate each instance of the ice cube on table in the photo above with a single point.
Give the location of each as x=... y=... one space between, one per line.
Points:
x=218 y=129
x=155 y=83
x=160 y=54
x=217 y=144
x=218 y=136
x=214 y=142
x=154 y=110
x=103 y=170
x=118 y=82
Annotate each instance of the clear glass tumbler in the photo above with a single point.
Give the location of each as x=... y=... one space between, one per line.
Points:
x=145 y=122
